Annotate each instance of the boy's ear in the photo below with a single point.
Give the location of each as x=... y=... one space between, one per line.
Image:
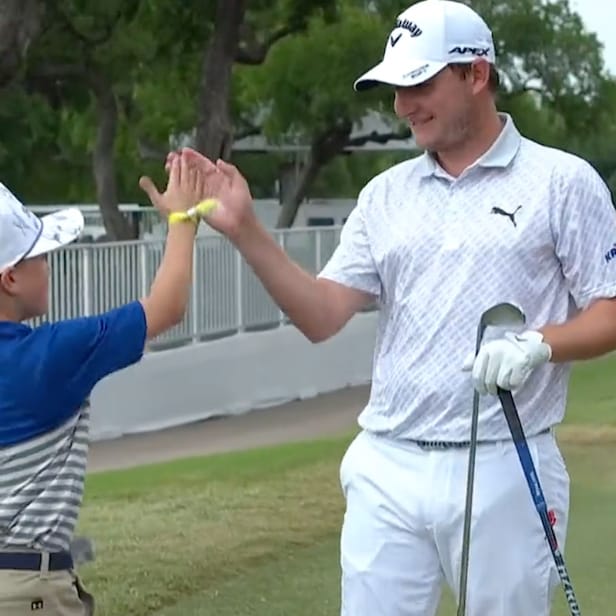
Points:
x=8 y=281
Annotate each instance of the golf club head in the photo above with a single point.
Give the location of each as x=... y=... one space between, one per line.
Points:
x=504 y=314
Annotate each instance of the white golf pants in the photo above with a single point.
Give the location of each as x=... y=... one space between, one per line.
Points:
x=402 y=530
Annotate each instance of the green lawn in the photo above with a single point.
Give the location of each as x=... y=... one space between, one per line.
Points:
x=592 y=395
x=256 y=533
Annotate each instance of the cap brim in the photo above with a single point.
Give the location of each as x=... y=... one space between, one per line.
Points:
x=59 y=229
x=412 y=75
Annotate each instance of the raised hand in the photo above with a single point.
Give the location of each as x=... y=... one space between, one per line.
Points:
x=185 y=187
x=222 y=181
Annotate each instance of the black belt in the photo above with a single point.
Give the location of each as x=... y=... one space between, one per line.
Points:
x=459 y=444
x=32 y=561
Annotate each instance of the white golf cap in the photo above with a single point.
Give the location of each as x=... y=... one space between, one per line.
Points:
x=426 y=38
x=24 y=235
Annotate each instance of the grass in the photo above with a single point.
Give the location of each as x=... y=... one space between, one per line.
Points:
x=171 y=530
x=592 y=397
x=256 y=533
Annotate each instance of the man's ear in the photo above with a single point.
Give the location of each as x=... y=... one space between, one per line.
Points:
x=481 y=75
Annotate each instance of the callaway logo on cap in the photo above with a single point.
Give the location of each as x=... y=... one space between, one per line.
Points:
x=24 y=235
x=426 y=38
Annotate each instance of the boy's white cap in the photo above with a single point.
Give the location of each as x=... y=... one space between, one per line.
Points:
x=427 y=37
x=24 y=235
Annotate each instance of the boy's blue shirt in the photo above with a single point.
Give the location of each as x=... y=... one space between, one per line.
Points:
x=48 y=372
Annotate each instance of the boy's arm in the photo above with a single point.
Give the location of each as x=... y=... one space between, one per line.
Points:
x=165 y=305
x=90 y=348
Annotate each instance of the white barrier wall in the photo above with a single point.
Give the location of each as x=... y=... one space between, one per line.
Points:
x=230 y=376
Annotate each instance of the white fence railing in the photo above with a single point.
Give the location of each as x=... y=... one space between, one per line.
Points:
x=226 y=296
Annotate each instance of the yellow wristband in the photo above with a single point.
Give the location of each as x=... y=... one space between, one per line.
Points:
x=176 y=217
x=200 y=210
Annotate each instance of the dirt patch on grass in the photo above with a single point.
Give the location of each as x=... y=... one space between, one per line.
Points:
x=586 y=435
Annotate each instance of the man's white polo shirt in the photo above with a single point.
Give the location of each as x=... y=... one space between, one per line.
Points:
x=525 y=223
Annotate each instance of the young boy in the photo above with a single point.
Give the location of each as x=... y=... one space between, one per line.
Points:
x=46 y=376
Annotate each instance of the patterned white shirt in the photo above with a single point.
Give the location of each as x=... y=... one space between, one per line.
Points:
x=525 y=223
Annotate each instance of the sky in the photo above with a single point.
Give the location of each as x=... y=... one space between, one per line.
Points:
x=599 y=16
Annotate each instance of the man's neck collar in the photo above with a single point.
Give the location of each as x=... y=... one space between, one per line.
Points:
x=498 y=156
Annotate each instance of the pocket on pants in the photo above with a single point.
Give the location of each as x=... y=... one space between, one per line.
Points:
x=86 y=598
x=348 y=464
x=56 y=593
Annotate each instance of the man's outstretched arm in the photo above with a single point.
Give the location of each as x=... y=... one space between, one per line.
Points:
x=318 y=307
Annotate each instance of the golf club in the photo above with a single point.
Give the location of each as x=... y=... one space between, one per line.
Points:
x=504 y=314
x=521 y=445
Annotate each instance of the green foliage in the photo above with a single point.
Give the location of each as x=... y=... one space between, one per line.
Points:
x=138 y=48
x=344 y=176
x=544 y=47
x=537 y=121
x=265 y=17
x=33 y=160
x=306 y=84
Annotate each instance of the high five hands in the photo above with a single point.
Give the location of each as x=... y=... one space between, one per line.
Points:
x=223 y=182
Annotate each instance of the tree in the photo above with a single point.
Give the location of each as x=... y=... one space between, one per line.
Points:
x=304 y=91
x=599 y=146
x=137 y=72
x=20 y=24
x=243 y=34
x=87 y=85
x=543 y=48
x=81 y=64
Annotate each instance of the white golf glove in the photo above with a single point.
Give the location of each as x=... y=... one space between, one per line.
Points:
x=507 y=362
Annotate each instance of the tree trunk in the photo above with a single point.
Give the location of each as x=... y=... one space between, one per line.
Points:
x=103 y=163
x=324 y=148
x=214 y=130
x=288 y=176
x=20 y=23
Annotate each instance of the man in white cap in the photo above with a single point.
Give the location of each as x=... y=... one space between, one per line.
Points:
x=483 y=216
x=46 y=376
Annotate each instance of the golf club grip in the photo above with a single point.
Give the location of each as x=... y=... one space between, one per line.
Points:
x=530 y=473
x=511 y=415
